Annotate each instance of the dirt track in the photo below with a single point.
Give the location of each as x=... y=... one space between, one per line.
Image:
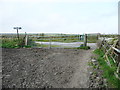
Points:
x=56 y=68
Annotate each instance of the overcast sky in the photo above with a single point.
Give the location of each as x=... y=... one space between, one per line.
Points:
x=59 y=16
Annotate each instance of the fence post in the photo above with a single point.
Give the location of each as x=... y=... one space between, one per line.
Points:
x=26 y=39
x=119 y=47
x=78 y=37
x=98 y=36
x=119 y=41
x=50 y=43
x=85 y=40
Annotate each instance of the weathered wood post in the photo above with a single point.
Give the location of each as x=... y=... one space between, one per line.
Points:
x=85 y=40
x=17 y=28
x=50 y=42
x=98 y=36
x=80 y=37
x=26 y=39
x=119 y=48
x=119 y=41
x=17 y=34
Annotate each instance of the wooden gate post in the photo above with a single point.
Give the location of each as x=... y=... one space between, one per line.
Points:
x=26 y=39
x=85 y=40
x=50 y=43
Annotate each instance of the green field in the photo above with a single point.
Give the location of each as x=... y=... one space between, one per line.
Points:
x=11 y=41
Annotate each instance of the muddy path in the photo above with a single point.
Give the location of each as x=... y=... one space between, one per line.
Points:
x=50 y=68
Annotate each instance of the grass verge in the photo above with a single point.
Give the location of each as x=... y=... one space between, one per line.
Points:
x=108 y=73
x=13 y=43
x=84 y=47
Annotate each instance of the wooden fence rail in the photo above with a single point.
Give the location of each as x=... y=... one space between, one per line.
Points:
x=112 y=54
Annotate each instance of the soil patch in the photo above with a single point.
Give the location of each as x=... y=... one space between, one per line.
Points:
x=45 y=68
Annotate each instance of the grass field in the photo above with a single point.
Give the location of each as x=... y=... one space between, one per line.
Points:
x=90 y=39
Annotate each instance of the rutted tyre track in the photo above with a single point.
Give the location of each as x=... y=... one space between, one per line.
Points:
x=38 y=68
